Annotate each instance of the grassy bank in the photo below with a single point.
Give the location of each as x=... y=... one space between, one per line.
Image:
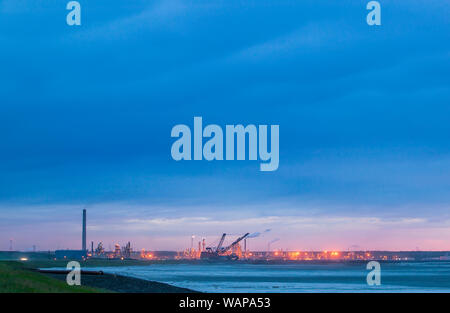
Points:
x=21 y=277
x=15 y=277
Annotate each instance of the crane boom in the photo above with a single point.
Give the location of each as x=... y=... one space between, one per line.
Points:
x=235 y=242
x=220 y=242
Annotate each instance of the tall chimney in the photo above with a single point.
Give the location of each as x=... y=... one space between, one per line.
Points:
x=83 y=239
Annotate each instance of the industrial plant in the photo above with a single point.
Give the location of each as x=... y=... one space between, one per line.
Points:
x=237 y=250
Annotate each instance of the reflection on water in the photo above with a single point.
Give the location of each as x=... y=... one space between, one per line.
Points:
x=338 y=277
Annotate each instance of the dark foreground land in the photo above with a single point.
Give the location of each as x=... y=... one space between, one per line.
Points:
x=20 y=277
x=16 y=277
x=119 y=283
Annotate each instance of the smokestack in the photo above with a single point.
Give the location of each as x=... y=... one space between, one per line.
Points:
x=83 y=239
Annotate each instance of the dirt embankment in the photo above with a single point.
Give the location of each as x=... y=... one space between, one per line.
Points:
x=119 y=283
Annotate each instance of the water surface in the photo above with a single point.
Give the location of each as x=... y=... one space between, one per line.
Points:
x=336 y=277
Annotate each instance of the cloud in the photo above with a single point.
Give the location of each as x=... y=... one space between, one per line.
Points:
x=86 y=116
x=279 y=223
x=159 y=16
x=151 y=227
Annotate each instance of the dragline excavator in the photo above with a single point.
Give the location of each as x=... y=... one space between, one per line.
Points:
x=221 y=253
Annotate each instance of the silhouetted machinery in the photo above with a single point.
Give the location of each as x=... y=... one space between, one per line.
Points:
x=222 y=253
x=100 y=250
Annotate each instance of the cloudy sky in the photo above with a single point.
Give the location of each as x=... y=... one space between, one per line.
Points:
x=364 y=114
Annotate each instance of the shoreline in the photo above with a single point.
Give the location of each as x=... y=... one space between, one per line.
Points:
x=124 y=284
x=18 y=277
x=25 y=277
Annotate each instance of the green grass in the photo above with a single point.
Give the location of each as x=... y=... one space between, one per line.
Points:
x=16 y=277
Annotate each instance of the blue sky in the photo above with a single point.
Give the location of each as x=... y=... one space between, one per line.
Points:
x=364 y=114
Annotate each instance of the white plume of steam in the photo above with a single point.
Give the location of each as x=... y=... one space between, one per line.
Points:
x=257 y=234
x=275 y=240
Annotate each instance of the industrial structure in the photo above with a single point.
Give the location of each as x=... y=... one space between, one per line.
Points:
x=230 y=252
x=75 y=254
x=233 y=252
x=83 y=235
